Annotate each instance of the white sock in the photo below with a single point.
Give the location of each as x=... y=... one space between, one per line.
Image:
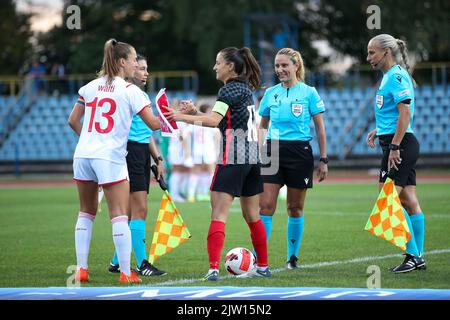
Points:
x=122 y=241
x=83 y=235
x=192 y=187
x=184 y=183
x=205 y=182
x=174 y=183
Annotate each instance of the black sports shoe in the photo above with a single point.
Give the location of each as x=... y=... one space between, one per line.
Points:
x=409 y=264
x=149 y=270
x=113 y=268
x=292 y=263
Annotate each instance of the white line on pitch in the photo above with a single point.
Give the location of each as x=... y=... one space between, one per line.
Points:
x=304 y=266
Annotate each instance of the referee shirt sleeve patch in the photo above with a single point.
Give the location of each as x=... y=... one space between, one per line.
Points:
x=221 y=108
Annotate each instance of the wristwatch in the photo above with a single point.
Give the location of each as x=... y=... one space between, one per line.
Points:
x=159 y=158
x=394 y=147
x=324 y=160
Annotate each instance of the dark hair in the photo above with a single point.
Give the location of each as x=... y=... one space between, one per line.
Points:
x=141 y=57
x=113 y=51
x=245 y=65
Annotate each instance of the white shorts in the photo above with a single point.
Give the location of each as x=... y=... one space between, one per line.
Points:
x=102 y=171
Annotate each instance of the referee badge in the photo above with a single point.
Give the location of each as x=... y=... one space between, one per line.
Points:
x=297 y=109
x=379 y=101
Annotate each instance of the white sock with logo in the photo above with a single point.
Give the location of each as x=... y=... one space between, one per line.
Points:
x=83 y=235
x=122 y=241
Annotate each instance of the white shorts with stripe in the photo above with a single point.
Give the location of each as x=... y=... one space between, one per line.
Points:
x=102 y=171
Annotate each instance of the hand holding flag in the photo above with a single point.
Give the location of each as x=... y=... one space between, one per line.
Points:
x=387 y=219
x=170 y=229
x=169 y=127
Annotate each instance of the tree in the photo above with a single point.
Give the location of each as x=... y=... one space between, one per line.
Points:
x=14 y=37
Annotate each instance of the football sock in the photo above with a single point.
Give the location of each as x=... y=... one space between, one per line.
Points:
x=83 y=234
x=294 y=234
x=216 y=238
x=258 y=235
x=205 y=182
x=174 y=183
x=192 y=187
x=122 y=241
x=418 y=224
x=137 y=228
x=267 y=221
x=411 y=246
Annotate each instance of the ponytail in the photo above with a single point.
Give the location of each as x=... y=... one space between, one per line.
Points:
x=404 y=52
x=398 y=50
x=245 y=65
x=113 y=51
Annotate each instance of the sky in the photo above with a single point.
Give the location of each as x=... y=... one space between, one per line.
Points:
x=47 y=13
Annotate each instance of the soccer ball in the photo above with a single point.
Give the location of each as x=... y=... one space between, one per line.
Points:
x=239 y=261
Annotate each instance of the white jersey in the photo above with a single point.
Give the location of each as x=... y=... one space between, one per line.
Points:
x=109 y=110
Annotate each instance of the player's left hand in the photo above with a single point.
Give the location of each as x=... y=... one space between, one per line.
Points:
x=394 y=159
x=322 y=173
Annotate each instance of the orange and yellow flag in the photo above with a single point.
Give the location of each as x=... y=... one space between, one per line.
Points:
x=387 y=219
x=170 y=229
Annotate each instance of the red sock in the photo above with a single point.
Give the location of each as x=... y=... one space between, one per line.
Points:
x=216 y=238
x=258 y=235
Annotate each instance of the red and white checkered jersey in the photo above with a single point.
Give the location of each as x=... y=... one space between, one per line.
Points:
x=109 y=110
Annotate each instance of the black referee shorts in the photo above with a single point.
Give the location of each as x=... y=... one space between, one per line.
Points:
x=238 y=179
x=295 y=163
x=409 y=153
x=138 y=162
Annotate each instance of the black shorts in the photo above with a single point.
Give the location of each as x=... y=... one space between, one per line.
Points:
x=409 y=153
x=138 y=162
x=238 y=179
x=295 y=164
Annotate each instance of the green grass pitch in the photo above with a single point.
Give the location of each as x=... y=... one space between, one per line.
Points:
x=37 y=240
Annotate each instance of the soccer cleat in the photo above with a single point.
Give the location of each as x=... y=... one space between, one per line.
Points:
x=292 y=263
x=212 y=275
x=132 y=278
x=409 y=264
x=149 y=270
x=82 y=275
x=113 y=268
x=256 y=273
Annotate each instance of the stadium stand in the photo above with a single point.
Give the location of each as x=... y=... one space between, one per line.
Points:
x=42 y=133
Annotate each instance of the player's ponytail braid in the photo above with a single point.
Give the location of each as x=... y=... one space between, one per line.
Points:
x=252 y=70
x=245 y=65
x=113 y=51
x=404 y=52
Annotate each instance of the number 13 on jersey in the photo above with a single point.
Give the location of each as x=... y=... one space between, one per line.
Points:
x=107 y=115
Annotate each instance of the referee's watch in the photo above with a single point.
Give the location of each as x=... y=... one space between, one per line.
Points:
x=324 y=160
x=394 y=147
x=159 y=158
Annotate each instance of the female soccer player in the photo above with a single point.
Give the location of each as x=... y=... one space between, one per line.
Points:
x=289 y=107
x=394 y=111
x=238 y=172
x=140 y=147
x=107 y=104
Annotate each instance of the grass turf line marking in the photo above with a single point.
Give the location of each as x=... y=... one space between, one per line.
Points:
x=305 y=266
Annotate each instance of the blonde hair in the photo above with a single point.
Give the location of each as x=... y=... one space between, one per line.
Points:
x=113 y=51
x=398 y=48
x=296 y=58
